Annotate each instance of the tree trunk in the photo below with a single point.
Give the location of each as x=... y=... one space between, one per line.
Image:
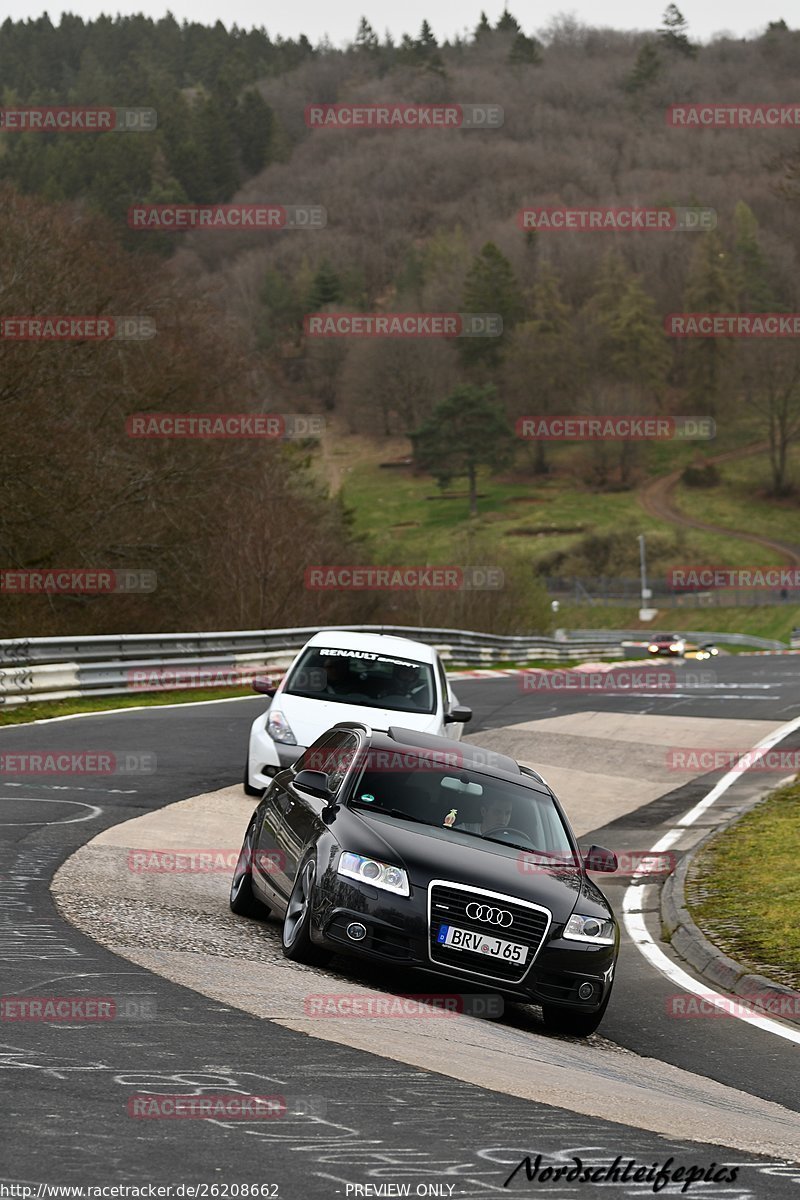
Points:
x=473 y=491
x=540 y=463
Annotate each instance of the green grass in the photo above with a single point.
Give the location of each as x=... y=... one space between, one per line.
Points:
x=768 y=621
x=742 y=502
x=20 y=714
x=744 y=889
x=393 y=510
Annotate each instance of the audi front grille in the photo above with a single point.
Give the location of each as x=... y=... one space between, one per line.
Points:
x=447 y=905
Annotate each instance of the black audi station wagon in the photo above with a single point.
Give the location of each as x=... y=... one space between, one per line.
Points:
x=438 y=855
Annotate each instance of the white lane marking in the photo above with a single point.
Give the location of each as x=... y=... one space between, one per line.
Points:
x=90 y=816
x=640 y=935
x=110 y=712
x=72 y=787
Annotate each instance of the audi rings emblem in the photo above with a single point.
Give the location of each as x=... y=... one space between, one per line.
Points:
x=491 y=916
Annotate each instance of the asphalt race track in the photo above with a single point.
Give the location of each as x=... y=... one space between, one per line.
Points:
x=386 y=1115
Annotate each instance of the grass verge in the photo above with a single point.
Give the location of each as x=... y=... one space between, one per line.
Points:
x=743 y=890
x=21 y=714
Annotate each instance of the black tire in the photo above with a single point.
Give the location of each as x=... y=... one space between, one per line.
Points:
x=567 y=1021
x=295 y=938
x=249 y=790
x=242 y=899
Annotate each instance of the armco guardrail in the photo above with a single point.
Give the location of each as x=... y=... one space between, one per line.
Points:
x=110 y=665
x=701 y=635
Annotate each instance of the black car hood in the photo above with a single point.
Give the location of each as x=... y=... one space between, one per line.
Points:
x=428 y=852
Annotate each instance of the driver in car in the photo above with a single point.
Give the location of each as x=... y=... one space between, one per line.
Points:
x=405 y=682
x=495 y=814
x=337 y=676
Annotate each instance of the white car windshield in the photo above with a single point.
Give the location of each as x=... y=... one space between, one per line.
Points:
x=363 y=677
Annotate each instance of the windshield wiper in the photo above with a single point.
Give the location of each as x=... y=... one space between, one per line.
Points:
x=389 y=812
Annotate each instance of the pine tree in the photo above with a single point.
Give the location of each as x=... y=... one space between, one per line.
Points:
x=639 y=349
x=366 y=38
x=710 y=287
x=326 y=287
x=751 y=273
x=506 y=23
x=483 y=29
x=254 y=126
x=426 y=37
x=490 y=287
x=542 y=368
x=673 y=33
x=645 y=71
x=465 y=432
x=525 y=49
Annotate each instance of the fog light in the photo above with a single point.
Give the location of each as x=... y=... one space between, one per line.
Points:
x=356 y=931
x=586 y=991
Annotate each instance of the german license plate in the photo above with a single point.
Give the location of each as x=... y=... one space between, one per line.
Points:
x=481 y=943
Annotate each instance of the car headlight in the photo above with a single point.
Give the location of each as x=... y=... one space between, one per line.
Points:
x=279 y=728
x=378 y=874
x=653 y=648
x=589 y=929
x=677 y=646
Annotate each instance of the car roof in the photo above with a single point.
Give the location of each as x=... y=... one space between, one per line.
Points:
x=375 y=643
x=474 y=758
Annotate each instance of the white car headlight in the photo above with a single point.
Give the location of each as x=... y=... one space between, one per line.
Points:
x=378 y=874
x=279 y=728
x=589 y=929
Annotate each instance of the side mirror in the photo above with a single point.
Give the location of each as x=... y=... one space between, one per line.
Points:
x=459 y=714
x=597 y=858
x=313 y=782
x=264 y=685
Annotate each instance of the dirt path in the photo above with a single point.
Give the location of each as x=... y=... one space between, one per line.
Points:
x=657 y=499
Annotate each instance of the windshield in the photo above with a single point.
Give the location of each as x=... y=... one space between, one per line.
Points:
x=463 y=801
x=363 y=677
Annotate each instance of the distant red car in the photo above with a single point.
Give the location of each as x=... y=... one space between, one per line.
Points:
x=669 y=645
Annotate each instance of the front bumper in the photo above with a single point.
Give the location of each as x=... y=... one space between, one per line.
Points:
x=400 y=931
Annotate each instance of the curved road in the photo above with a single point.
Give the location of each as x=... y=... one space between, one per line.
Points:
x=354 y=1118
x=657 y=499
